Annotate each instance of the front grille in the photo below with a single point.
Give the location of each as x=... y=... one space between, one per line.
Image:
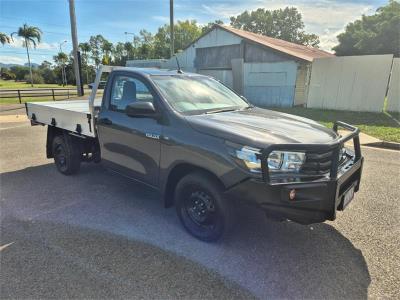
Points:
x=317 y=162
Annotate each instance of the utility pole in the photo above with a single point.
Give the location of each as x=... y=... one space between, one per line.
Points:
x=75 y=50
x=171 y=25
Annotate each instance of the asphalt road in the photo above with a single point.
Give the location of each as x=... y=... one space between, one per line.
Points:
x=98 y=235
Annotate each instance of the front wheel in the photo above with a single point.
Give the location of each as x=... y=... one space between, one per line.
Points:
x=201 y=207
x=66 y=155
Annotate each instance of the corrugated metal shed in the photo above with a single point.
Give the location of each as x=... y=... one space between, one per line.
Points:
x=268 y=71
x=292 y=49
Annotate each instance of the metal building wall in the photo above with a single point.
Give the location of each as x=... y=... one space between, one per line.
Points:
x=214 y=38
x=255 y=53
x=225 y=76
x=216 y=57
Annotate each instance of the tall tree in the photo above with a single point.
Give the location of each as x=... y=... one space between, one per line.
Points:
x=144 y=44
x=4 y=38
x=60 y=59
x=96 y=44
x=31 y=35
x=185 y=32
x=85 y=47
x=107 y=48
x=285 y=24
x=210 y=25
x=130 y=50
x=45 y=65
x=119 y=54
x=46 y=71
x=376 y=34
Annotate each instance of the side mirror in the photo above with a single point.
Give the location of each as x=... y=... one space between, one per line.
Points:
x=141 y=110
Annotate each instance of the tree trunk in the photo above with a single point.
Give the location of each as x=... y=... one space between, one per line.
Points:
x=87 y=73
x=29 y=61
x=62 y=74
x=65 y=74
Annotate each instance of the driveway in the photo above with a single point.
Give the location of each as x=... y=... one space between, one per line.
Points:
x=98 y=235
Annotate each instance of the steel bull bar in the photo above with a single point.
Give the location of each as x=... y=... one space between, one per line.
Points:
x=334 y=146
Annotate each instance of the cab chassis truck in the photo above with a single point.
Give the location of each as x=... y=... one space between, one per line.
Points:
x=204 y=147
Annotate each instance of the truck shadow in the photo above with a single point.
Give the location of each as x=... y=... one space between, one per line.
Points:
x=274 y=260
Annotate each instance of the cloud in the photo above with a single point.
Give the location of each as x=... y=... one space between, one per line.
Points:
x=8 y=59
x=124 y=25
x=17 y=42
x=47 y=46
x=327 y=18
x=161 y=19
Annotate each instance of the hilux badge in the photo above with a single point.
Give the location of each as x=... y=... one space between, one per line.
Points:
x=153 y=136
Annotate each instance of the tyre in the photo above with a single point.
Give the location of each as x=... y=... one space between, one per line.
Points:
x=66 y=154
x=201 y=207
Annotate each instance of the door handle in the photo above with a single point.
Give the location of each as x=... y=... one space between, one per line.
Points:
x=105 y=121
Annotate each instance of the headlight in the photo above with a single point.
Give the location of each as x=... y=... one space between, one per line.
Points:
x=285 y=161
x=250 y=158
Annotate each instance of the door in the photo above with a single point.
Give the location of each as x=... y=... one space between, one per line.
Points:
x=129 y=145
x=270 y=84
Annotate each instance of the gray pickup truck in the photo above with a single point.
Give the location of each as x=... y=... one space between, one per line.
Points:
x=203 y=147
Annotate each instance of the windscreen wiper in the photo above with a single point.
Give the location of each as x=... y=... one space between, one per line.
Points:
x=220 y=110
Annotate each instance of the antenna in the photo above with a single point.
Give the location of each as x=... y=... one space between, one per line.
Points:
x=179 y=67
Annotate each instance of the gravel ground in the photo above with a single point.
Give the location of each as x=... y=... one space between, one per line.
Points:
x=98 y=235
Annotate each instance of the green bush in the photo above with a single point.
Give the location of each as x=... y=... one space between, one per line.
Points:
x=48 y=75
x=20 y=72
x=7 y=75
x=37 y=78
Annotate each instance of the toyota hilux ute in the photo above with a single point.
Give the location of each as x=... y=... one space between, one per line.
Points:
x=204 y=147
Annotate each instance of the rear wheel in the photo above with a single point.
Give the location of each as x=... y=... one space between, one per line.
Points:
x=66 y=155
x=202 y=208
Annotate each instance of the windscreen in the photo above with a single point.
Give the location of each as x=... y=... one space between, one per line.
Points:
x=197 y=94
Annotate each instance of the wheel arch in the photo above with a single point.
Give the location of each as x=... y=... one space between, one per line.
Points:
x=52 y=132
x=176 y=174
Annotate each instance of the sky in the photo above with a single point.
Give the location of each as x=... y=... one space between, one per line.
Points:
x=112 y=18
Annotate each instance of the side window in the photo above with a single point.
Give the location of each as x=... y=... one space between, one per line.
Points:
x=126 y=90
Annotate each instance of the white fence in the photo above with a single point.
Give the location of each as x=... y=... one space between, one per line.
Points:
x=393 y=96
x=355 y=83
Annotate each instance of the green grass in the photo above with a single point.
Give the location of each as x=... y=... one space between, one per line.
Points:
x=11 y=84
x=32 y=99
x=380 y=125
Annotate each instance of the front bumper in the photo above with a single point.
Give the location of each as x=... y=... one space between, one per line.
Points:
x=314 y=201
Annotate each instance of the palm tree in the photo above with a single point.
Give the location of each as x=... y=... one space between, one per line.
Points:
x=4 y=38
x=31 y=35
x=85 y=47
